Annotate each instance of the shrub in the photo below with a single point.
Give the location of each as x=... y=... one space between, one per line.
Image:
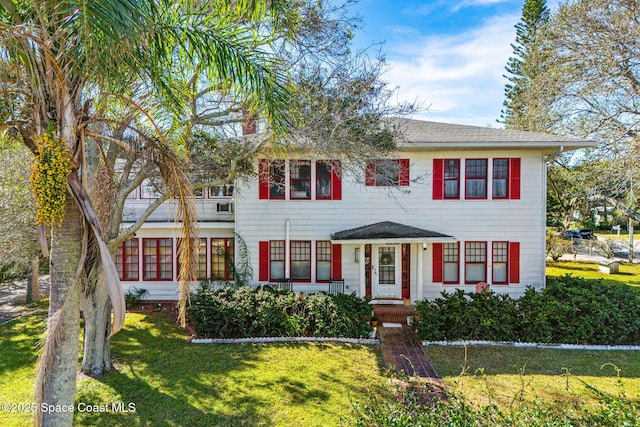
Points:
x=568 y=310
x=244 y=312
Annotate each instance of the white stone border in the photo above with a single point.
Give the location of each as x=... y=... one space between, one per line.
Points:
x=533 y=345
x=260 y=340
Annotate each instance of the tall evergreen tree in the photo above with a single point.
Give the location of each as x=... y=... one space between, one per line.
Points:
x=523 y=66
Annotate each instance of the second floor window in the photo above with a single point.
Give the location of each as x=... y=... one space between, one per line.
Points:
x=476 y=178
x=452 y=179
x=300 y=179
x=305 y=180
x=500 y=178
x=387 y=172
x=276 y=180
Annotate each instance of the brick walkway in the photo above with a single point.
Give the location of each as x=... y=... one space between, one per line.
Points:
x=401 y=347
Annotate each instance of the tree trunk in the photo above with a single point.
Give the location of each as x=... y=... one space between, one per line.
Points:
x=57 y=381
x=33 y=285
x=96 y=308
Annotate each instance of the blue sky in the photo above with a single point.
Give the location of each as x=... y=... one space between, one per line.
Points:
x=448 y=54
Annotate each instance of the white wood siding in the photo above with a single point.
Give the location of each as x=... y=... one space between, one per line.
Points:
x=467 y=220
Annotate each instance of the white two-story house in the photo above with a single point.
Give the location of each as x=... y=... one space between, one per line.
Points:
x=455 y=206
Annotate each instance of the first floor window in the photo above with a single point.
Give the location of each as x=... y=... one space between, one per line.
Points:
x=222 y=259
x=157 y=259
x=451 y=263
x=201 y=273
x=475 y=259
x=276 y=260
x=300 y=260
x=127 y=262
x=500 y=261
x=323 y=261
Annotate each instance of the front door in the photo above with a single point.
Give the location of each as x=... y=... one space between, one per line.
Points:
x=386 y=271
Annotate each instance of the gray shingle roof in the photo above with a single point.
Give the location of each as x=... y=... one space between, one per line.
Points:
x=425 y=132
x=385 y=230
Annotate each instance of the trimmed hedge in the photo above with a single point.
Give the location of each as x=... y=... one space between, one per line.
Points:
x=569 y=310
x=244 y=312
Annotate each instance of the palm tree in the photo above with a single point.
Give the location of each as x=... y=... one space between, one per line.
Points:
x=60 y=58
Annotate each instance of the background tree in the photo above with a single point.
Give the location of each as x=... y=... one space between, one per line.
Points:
x=58 y=60
x=590 y=89
x=337 y=105
x=524 y=66
x=19 y=246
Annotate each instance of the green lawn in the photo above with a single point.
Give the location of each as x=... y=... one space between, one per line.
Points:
x=629 y=273
x=554 y=377
x=172 y=383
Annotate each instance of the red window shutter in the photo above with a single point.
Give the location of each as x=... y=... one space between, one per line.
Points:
x=370 y=173
x=514 y=262
x=438 y=179
x=404 y=177
x=263 y=179
x=336 y=180
x=336 y=261
x=437 y=262
x=514 y=178
x=263 y=263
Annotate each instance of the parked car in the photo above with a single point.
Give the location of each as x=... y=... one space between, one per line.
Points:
x=570 y=234
x=584 y=234
x=587 y=233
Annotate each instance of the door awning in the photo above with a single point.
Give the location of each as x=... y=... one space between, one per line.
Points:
x=389 y=232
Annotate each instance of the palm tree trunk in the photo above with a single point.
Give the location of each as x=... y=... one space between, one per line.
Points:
x=96 y=309
x=59 y=363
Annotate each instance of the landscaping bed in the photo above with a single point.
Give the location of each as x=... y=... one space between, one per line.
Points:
x=568 y=310
x=244 y=312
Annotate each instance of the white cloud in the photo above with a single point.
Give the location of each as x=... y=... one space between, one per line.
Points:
x=460 y=76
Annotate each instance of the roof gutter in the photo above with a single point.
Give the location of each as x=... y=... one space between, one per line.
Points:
x=552 y=156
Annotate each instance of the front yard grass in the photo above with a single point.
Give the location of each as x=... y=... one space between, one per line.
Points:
x=173 y=383
x=629 y=273
x=509 y=376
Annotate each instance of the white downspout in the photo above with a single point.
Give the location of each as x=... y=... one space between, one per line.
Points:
x=287 y=249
